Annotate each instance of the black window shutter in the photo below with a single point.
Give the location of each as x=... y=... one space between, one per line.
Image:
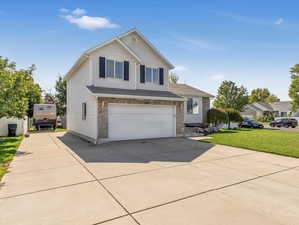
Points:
x=126 y=70
x=161 y=76
x=142 y=74
x=102 y=67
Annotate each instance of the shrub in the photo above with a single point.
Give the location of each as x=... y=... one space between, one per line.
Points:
x=233 y=116
x=216 y=116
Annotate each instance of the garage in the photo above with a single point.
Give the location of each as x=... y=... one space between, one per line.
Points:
x=138 y=121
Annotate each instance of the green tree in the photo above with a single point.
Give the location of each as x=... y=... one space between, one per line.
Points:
x=233 y=116
x=262 y=95
x=60 y=96
x=294 y=87
x=230 y=96
x=17 y=90
x=173 y=78
x=217 y=116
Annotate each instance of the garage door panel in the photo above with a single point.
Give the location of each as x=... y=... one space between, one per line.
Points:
x=136 y=122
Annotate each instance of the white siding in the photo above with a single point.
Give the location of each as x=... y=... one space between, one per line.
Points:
x=116 y=52
x=77 y=94
x=149 y=58
x=193 y=118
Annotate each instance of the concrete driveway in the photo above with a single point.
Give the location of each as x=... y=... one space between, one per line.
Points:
x=57 y=178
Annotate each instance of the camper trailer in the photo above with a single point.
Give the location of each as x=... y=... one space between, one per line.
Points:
x=44 y=115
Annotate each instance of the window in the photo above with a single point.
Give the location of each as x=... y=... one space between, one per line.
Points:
x=84 y=111
x=119 y=70
x=152 y=75
x=148 y=74
x=115 y=69
x=283 y=114
x=156 y=75
x=193 y=106
x=110 y=68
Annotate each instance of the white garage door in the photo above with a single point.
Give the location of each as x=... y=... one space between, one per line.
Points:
x=126 y=121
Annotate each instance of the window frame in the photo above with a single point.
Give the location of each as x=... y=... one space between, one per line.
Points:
x=114 y=69
x=193 y=100
x=152 y=75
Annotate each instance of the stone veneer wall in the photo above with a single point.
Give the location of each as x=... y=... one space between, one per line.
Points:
x=205 y=108
x=103 y=112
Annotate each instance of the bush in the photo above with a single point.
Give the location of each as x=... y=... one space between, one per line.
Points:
x=233 y=116
x=216 y=116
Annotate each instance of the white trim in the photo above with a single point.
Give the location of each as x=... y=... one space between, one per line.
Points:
x=149 y=43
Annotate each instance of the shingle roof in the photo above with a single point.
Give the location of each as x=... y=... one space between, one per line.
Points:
x=132 y=92
x=284 y=106
x=185 y=90
x=263 y=104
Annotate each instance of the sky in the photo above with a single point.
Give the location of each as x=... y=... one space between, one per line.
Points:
x=253 y=43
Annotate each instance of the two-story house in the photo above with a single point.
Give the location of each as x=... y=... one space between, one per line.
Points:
x=119 y=90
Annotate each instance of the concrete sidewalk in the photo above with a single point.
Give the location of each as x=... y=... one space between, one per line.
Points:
x=57 y=178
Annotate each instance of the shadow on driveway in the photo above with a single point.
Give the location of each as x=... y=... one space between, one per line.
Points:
x=137 y=151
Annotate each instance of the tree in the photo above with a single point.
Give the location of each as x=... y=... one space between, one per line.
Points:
x=294 y=87
x=233 y=116
x=230 y=96
x=272 y=98
x=60 y=96
x=216 y=116
x=17 y=90
x=173 y=78
x=262 y=95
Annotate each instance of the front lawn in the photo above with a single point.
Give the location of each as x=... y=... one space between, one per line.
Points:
x=8 y=148
x=274 y=141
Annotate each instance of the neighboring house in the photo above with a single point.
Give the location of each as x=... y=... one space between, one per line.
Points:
x=197 y=102
x=119 y=90
x=279 y=109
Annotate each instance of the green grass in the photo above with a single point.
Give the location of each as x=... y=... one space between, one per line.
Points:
x=273 y=141
x=8 y=148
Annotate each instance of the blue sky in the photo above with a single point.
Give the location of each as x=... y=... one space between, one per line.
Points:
x=253 y=43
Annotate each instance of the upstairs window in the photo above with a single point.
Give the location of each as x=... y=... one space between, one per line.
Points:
x=193 y=106
x=151 y=75
x=115 y=69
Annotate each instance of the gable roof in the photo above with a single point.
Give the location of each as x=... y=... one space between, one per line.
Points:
x=263 y=106
x=186 y=90
x=87 y=53
x=283 y=106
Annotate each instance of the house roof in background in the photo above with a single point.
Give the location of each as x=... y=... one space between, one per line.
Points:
x=133 y=93
x=186 y=90
x=283 y=106
x=263 y=106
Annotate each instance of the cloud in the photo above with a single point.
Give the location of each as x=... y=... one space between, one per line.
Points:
x=64 y=10
x=190 y=43
x=217 y=77
x=78 y=12
x=89 y=22
x=279 y=21
x=180 y=68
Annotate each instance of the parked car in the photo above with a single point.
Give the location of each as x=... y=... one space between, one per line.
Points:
x=284 y=122
x=251 y=124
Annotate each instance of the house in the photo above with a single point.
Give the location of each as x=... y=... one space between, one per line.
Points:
x=196 y=102
x=278 y=109
x=119 y=90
